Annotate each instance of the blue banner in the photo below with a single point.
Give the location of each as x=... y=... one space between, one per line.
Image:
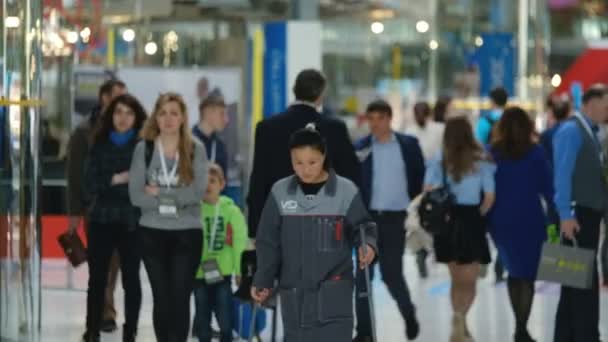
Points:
x=496 y=58
x=275 y=68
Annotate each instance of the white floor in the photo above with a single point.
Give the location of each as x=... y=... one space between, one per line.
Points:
x=63 y=310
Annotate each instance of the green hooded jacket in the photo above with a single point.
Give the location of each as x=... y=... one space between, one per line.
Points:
x=230 y=236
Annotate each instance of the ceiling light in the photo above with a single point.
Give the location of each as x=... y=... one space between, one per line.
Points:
x=85 y=33
x=72 y=37
x=12 y=22
x=556 y=80
x=128 y=35
x=433 y=44
x=151 y=48
x=377 y=27
x=422 y=26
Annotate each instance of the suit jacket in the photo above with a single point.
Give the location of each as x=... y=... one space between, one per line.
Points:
x=412 y=156
x=271 y=159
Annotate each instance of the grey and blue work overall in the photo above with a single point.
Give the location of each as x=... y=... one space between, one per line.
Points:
x=307 y=242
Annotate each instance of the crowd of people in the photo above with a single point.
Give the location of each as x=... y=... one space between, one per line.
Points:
x=149 y=188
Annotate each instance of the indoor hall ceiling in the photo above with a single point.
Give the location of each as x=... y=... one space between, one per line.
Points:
x=121 y=11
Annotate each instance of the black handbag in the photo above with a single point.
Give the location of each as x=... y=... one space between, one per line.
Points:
x=435 y=209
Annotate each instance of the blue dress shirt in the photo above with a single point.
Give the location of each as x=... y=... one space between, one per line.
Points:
x=483 y=131
x=567 y=143
x=468 y=191
x=389 y=183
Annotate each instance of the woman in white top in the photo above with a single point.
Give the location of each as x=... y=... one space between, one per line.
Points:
x=428 y=131
x=430 y=137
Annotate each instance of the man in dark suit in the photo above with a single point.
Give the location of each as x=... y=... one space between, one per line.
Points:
x=392 y=175
x=271 y=159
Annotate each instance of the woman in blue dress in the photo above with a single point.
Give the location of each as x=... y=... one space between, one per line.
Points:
x=517 y=220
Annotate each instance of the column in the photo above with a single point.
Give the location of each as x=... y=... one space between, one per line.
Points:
x=20 y=171
x=290 y=47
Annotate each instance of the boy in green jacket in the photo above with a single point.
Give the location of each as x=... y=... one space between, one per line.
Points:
x=224 y=240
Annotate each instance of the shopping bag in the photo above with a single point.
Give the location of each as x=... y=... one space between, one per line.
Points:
x=73 y=248
x=242 y=315
x=568 y=266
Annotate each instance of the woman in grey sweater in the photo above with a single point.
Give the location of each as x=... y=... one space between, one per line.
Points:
x=167 y=178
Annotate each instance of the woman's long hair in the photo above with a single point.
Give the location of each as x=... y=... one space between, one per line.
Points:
x=105 y=124
x=185 y=148
x=513 y=137
x=460 y=149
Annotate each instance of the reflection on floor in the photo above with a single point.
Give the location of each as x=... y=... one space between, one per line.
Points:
x=490 y=320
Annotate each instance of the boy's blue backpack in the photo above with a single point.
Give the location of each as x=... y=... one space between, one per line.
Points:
x=242 y=312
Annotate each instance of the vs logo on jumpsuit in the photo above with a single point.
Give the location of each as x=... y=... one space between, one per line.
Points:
x=289 y=206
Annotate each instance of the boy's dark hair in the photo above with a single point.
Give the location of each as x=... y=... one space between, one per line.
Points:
x=310 y=137
x=107 y=87
x=380 y=106
x=595 y=92
x=499 y=96
x=309 y=85
x=561 y=109
x=216 y=171
x=441 y=108
x=211 y=101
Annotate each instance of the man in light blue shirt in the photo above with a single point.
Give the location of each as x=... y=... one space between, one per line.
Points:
x=392 y=168
x=487 y=120
x=581 y=199
x=483 y=133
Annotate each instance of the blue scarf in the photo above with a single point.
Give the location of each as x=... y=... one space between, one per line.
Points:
x=121 y=139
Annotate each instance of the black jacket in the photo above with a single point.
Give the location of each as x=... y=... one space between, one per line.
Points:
x=221 y=152
x=272 y=162
x=412 y=156
x=110 y=203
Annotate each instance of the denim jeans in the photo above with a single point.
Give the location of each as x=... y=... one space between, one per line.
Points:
x=216 y=298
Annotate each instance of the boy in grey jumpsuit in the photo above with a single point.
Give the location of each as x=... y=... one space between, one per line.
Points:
x=307 y=242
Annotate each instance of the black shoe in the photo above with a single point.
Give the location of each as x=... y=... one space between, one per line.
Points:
x=523 y=336
x=128 y=334
x=412 y=328
x=108 y=325
x=363 y=339
x=88 y=337
x=421 y=262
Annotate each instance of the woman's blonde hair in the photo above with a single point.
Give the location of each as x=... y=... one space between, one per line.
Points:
x=185 y=148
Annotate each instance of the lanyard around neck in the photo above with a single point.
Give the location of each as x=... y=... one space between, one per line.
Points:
x=213 y=151
x=214 y=227
x=592 y=135
x=168 y=176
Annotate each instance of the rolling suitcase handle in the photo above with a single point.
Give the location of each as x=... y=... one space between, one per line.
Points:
x=370 y=299
x=252 y=324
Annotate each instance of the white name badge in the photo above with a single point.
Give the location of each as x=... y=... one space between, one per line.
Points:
x=212 y=272
x=167 y=206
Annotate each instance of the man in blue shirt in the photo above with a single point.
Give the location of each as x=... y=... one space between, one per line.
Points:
x=483 y=133
x=485 y=124
x=581 y=198
x=392 y=174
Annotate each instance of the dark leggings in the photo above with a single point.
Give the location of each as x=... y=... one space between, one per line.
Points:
x=103 y=240
x=171 y=258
